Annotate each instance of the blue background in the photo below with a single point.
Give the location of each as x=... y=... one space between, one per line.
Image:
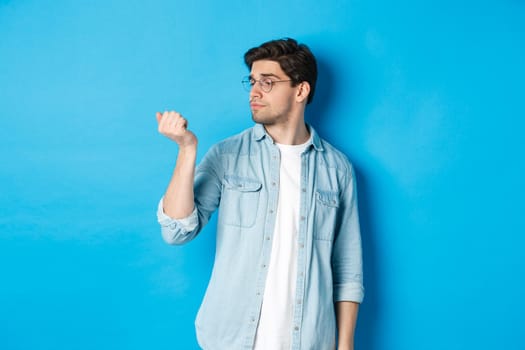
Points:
x=426 y=98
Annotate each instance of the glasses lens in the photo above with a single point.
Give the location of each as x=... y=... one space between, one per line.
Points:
x=266 y=84
x=247 y=84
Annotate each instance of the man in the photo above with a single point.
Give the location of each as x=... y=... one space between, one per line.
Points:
x=288 y=269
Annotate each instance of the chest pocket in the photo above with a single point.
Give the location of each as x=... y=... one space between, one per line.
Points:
x=239 y=201
x=326 y=207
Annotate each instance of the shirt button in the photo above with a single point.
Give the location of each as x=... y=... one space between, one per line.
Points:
x=296 y=328
x=273 y=184
x=271 y=211
x=304 y=189
x=267 y=238
x=301 y=245
x=299 y=301
x=302 y=217
x=263 y=266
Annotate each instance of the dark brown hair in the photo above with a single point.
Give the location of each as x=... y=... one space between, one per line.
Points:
x=295 y=59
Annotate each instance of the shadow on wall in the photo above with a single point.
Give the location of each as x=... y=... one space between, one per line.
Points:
x=318 y=115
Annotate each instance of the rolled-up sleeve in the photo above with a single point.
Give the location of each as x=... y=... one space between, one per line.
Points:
x=347 y=264
x=207 y=192
x=176 y=231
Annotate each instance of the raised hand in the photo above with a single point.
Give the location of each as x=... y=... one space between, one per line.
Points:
x=173 y=125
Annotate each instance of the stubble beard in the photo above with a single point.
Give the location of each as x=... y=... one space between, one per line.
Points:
x=269 y=119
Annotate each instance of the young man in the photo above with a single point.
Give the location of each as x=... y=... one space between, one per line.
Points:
x=288 y=268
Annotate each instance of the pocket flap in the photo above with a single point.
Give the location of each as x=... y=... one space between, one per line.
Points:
x=242 y=184
x=328 y=198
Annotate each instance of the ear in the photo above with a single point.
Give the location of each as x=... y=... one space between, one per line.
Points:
x=303 y=92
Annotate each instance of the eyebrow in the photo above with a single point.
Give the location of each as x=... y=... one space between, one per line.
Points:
x=265 y=75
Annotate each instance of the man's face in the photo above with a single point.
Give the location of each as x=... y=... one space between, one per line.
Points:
x=273 y=107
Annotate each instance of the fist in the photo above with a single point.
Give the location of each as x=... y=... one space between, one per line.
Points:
x=175 y=127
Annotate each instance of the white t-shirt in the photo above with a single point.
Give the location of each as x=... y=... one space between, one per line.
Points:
x=274 y=331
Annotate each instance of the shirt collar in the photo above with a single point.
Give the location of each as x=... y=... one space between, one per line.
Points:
x=259 y=133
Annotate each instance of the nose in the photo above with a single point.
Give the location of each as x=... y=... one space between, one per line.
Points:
x=255 y=91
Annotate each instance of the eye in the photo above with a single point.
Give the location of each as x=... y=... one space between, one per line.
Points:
x=267 y=82
x=252 y=81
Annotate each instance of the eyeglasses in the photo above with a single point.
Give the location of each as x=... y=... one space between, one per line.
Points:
x=265 y=84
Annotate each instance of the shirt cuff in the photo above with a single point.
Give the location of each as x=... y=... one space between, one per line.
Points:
x=352 y=291
x=188 y=223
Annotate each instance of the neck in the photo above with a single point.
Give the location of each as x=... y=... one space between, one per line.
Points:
x=291 y=133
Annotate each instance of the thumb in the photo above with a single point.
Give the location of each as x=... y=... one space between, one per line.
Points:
x=159 y=117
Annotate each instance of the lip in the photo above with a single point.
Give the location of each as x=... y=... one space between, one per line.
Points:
x=254 y=105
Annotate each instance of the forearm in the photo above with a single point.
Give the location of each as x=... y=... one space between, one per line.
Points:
x=346 y=315
x=179 y=198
